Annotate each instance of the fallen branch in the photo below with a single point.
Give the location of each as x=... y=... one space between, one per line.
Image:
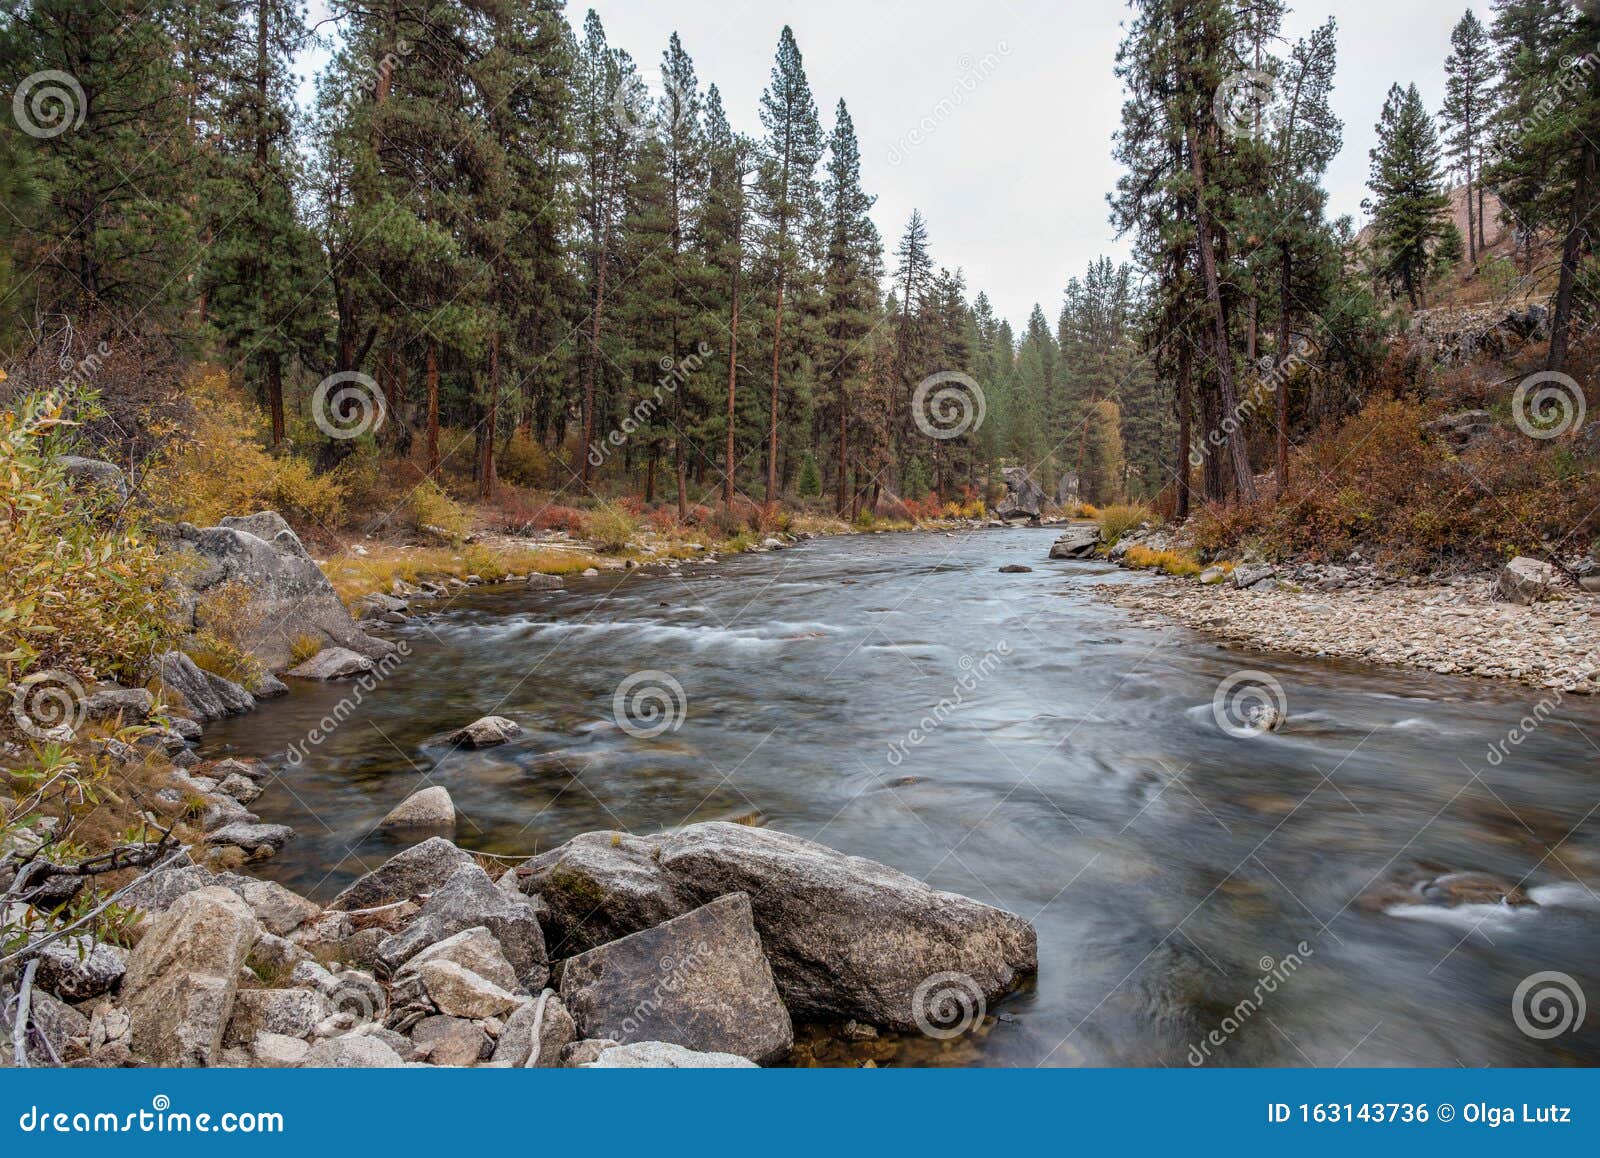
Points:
x=19 y=1031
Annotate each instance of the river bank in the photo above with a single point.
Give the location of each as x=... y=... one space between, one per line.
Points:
x=1452 y=629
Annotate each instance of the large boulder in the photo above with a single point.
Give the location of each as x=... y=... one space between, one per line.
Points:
x=469 y=899
x=1024 y=497
x=1078 y=541
x=183 y=977
x=419 y=869
x=600 y=886
x=352 y=1052
x=663 y=1055
x=287 y=597
x=1525 y=580
x=846 y=937
x=699 y=980
x=206 y=696
x=474 y=949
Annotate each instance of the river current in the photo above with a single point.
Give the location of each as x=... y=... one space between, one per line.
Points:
x=1203 y=895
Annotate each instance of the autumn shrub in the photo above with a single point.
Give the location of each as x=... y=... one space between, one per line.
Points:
x=524 y=462
x=664 y=520
x=430 y=509
x=1120 y=518
x=81 y=590
x=1178 y=563
x=1380 y=484
x=219 y=466
x=611 y=526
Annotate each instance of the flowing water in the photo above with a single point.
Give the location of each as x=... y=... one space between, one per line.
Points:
x=1200 y=896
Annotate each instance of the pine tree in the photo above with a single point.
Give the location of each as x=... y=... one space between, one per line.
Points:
x=259 y=277
x=788 y=201
x=1467 y=77
x=1407 y=204
x=852 y=268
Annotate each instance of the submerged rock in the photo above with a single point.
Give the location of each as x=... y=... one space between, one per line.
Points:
x=332 y=663
x=485 y=733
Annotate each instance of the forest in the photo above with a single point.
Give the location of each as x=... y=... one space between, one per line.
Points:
x=500 y=250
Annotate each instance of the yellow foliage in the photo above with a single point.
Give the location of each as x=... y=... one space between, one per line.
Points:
x=610 y=526
x=524 y=462
x=1178 y=563
x=81 y=590
x=429 y=509
x=221 y=468
x=1120 y=518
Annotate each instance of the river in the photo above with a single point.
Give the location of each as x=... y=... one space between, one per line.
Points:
x=1198 y=893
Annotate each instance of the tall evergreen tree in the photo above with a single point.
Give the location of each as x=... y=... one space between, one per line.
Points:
x=852 y=268
x=1468 y=73
x=788 y=201
x=1407 y=203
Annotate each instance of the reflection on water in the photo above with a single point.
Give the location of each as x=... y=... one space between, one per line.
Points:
x=841 y=691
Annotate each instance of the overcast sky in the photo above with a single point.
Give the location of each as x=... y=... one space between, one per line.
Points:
x=995 y=117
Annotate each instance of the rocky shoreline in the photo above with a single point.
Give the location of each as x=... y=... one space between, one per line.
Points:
x=701 y=947
x=1526 y=623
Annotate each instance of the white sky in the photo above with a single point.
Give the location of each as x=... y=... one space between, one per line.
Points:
x=1013 y=177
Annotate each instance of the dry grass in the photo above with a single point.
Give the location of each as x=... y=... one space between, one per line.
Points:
x=353 y=575
x=1117 y=520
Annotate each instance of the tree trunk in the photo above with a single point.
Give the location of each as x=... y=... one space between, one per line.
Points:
x=433 y=408
x=772 y=423
x=1472 y=217
x=272 y=367
x=733 y=380
x=844 y=414
x=1243 y=479
x=1282 y=392
x=1561 y=311
x=1185 y=429
x=486 y=479
x=594 y=361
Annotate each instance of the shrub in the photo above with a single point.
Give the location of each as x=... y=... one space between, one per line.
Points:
x=524 y=461
x=429 y=509
x=1117 y=520
x=220 y=467
x=81 y=590
x=610 y=527
x=1179 y=563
